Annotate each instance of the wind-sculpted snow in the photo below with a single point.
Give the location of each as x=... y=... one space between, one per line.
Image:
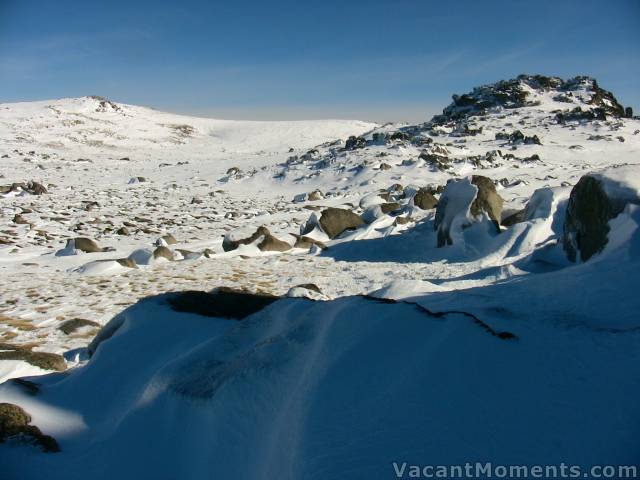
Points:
x=278 y=394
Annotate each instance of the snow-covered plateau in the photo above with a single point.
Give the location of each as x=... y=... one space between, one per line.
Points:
x=189 y=298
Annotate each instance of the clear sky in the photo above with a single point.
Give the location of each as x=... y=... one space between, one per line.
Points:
x=383 y=60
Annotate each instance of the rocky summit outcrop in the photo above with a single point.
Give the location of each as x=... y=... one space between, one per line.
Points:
x=594 y=201
x=464 y=202
x=266 y=242
x=334 y=221
x=517 y=93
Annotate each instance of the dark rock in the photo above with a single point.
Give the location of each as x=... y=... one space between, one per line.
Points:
x=19 y=220
x=123 y=231
x=221 y=303
x=164 y=252
x=85 y=245
x=269 y=243
x=315 y=195
x=169 y=239
x=303 y=241
x=44 y=360
x=390 y=207
x=127 y=262
x=586 y=224
x=14 y=422
x=354 y=143
x=441 y=162
x=72 y=325
x=334 y=221
x=513 y=218
x=487 y=199
x=425 y=200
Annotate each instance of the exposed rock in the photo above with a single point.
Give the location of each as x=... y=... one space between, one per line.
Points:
x=123 y=231
x=14 y=422
x=463 y=203
x=334 y=221
x=315 y=195
x=19 y=220
x=233 y=171
x=44 y=360
x=390 y=207
x=441 y=162
x=513 y=218
x=164 y=252
x=127 y=262
x=303 y=241
x=70 y=326
x=590 y=207
x=221 y=303
x=83 y=244
x=269 y=243
x=169 y=239
x=354 y=143
x=306 y=290
x=402 y=220
x=424 y=199
x=487 y=199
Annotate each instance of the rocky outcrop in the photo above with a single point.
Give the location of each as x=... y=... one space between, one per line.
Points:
x=334 y=221
x=354 y=143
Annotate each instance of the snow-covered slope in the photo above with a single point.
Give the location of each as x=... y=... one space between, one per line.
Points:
x=521 y=320
x=73 y=127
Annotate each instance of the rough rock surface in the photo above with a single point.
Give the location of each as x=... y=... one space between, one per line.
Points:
x=589 y=210
x=334 y=221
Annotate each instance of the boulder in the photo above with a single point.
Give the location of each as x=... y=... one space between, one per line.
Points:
x=267 y=242
x=43 y=360
x=303 y=241
x=463 y=203
x=354 y=143
x=487 y=199
x=19 y=220
x=594 y=200
x=315 y=195
x=425 y=200
x=169 y=239
x=164 y=252
x=70 y=326
x=513 y=218
x=334 y=221
x=127 y=262
x=83 y=244
x=390 y=207
x=14 y=422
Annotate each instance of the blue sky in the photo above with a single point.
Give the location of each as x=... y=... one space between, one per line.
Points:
x=370 y=59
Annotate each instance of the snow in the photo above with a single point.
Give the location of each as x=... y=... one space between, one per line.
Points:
x=337 y=384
